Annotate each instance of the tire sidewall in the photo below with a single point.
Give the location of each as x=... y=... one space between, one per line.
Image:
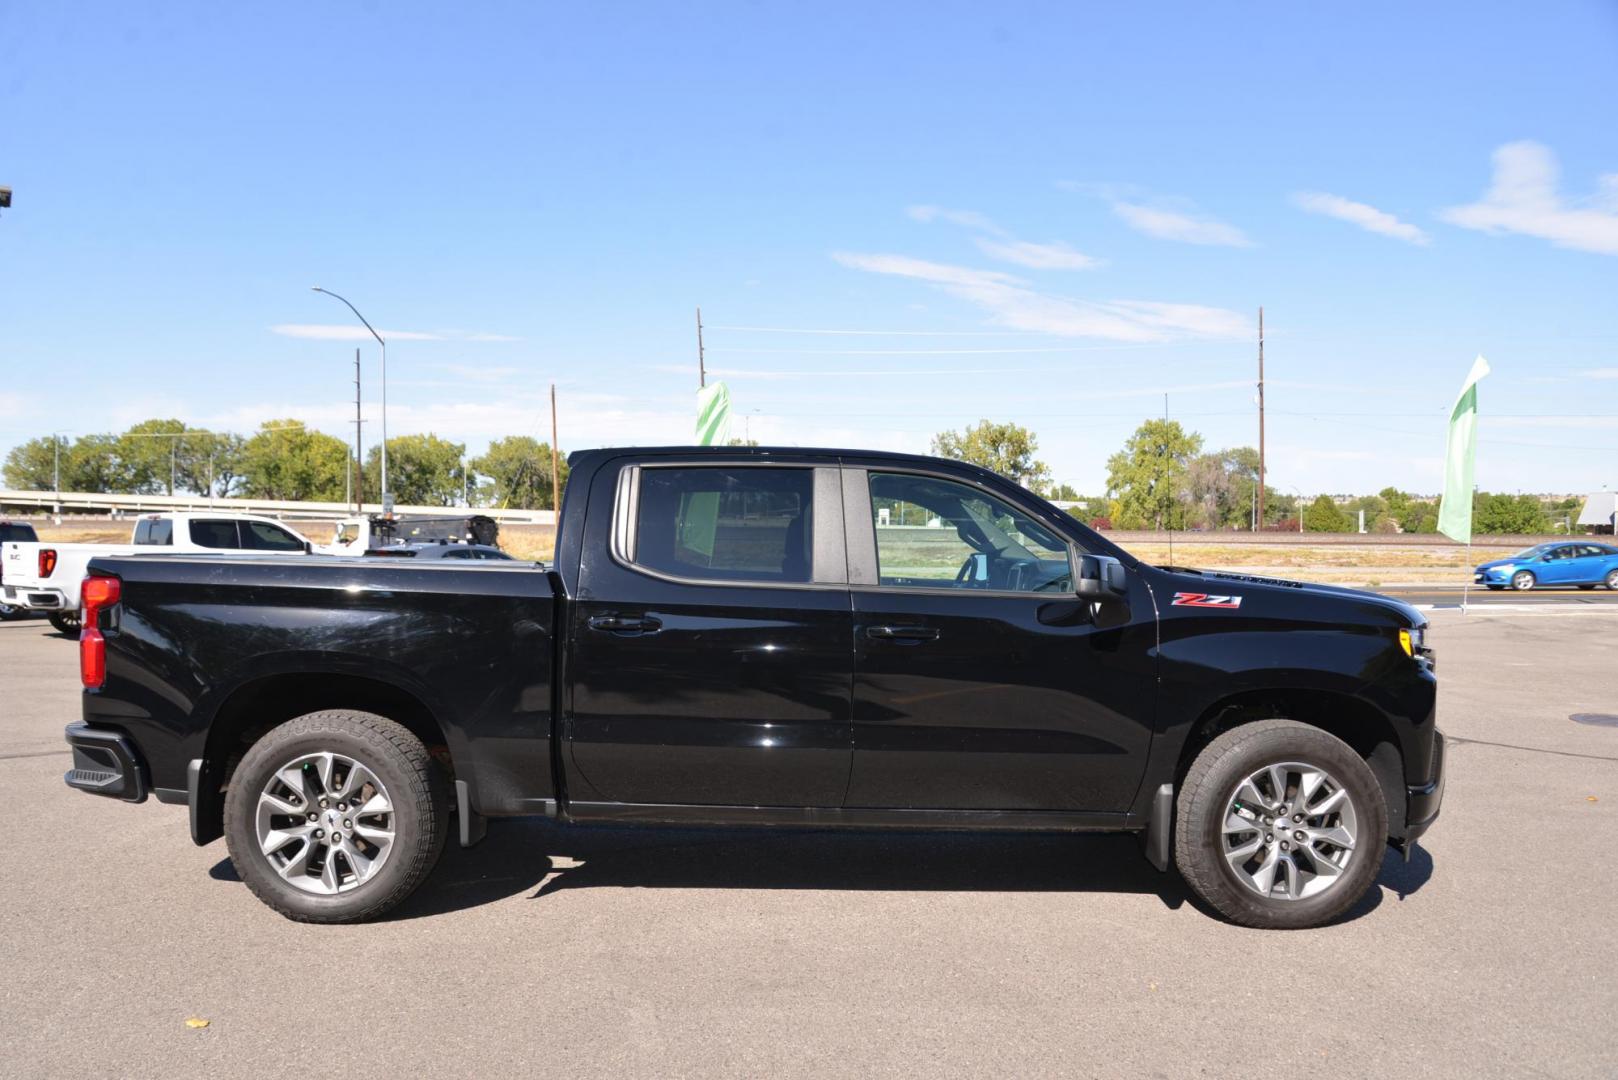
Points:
x=1292 y=742
x=322 y=733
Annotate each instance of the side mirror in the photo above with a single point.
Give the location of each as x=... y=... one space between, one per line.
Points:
x=1101 y=579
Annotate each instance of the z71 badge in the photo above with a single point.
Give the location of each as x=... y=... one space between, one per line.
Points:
x=1202 y=599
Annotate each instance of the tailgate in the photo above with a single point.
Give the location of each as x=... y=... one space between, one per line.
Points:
x=19 y=564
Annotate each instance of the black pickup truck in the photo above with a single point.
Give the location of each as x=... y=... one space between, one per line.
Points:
x=776 y=637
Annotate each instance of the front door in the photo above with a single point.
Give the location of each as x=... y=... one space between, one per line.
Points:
x=980 y=682
x=709 y=654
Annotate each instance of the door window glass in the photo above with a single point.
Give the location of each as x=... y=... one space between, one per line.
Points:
x=728 y=524
x=262 y=536
x=933 y=533
x=214 y=534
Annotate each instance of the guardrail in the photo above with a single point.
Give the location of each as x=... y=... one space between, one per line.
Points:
x=93 y=502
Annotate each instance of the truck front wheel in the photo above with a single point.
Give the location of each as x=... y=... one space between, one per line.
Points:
x=336 y=816
x=1280 y=825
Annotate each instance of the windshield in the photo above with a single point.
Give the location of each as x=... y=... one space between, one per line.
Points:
x=1534 y=552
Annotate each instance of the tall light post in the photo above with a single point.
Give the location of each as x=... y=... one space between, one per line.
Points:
x=387 y=496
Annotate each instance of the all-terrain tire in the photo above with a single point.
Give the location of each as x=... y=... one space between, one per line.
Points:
x=416 y=787
x=1205 y=797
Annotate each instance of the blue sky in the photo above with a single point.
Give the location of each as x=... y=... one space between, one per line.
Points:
x=1055 y=213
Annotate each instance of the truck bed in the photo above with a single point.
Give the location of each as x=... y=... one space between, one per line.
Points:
x=203 y=644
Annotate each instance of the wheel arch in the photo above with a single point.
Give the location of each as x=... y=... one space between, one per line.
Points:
x=1369 y=733
x=256 y=705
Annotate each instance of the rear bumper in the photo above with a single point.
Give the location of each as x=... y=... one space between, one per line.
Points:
x=105 y=763
x=1423 y=801
x=34 y=599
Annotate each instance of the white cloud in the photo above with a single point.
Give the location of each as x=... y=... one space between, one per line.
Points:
x=997 y=243
x=1523 y=198
x=1173 y=225
x=324 y=332
x=1365 y=216
x=966 y=219
x=1011 y=302
x=1053 y=256
x=346 y=332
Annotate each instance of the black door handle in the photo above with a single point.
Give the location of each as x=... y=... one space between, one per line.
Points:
x=902 y=633
x=626 y=624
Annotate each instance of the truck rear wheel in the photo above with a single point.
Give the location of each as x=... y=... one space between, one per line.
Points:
x=66 y=622
x=336 y=816
x=1280 y=825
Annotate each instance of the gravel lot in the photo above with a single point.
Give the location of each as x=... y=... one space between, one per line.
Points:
x=549 y=951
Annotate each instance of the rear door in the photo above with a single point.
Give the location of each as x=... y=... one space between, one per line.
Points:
x=709 y=658
x=980 y=681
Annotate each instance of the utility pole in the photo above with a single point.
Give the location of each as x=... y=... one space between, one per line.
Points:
x=359 y=461
x=1261 y=418
x=556 y=492
x=702 y=365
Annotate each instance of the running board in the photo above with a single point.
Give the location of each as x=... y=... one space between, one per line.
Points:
x=1161 y=828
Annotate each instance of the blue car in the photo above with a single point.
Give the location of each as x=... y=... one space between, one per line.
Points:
x=1563 y=563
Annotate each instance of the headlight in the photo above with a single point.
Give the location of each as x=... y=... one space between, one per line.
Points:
x=1412 y=641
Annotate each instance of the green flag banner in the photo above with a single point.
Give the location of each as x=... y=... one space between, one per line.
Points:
x=1455 y=512
x=713 y=414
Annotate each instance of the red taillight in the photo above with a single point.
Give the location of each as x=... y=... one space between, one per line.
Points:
x=47 y=562
x=95 y=595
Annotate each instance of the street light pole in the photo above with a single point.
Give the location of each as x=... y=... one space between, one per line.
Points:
x=387 y=497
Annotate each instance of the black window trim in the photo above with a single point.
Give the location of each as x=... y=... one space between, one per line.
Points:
x=828 y=565
x=863 y=567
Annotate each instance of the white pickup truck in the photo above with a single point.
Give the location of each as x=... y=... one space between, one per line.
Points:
x=45 y=577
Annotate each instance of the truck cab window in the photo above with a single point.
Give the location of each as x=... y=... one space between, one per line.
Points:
x=726 y=524
x=933 y=533
x=155 y=531
x=262 y=536
x=211 y=533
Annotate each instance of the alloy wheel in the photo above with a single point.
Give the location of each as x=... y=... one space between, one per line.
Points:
x=325 y=823
x=1522 y=581
x=1290 y=831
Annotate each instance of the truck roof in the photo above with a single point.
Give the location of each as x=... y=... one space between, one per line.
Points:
x=756 y=451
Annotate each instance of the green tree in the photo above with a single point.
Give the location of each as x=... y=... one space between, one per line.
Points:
x=211 y=459
x=1516 y=514
x=31 y=466
x=1148 y=475
x=519 y=467
x=1324 y=515
x=1005 y=448
x=149 y=456
x=286 y=460
x=423 y=470
x=89 y=463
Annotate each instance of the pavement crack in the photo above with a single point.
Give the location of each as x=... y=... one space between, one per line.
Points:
x=34 y=753
x=1530 y=749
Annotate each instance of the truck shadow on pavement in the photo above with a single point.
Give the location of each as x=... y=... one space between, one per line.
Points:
x=542 y=859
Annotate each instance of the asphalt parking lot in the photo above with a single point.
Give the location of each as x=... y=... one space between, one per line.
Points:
x=549 y=951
